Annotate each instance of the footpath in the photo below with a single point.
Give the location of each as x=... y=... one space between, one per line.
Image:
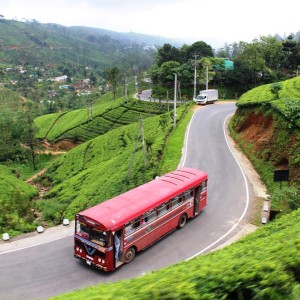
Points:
x=34 y=238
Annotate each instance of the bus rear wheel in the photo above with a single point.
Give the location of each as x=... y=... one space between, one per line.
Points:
x=129 y=255
x=182 y=221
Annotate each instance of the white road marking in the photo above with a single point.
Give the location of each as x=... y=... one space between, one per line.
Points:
x=247 y=196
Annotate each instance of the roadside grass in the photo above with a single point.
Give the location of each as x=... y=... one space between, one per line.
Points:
x=174 y=147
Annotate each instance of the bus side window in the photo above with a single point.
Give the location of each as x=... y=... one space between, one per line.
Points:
x=128 y=228
x=162 y=209
x=136 y=223
x=176 y=201
x=204 y=185
x=149 y=216
x=188 y=194
x=144 y=219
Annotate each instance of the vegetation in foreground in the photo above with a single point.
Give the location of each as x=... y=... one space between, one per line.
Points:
x=263 y=265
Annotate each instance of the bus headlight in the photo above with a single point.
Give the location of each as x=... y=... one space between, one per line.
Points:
x=78 y=249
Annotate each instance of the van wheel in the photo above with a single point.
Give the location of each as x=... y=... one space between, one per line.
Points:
x=182 y=221
x=129 y=255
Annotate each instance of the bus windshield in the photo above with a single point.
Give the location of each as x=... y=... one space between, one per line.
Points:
x=93 y=234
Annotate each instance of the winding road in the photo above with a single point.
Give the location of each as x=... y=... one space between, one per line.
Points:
x=48 y=269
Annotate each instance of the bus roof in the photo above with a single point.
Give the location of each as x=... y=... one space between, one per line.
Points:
x=114 y=213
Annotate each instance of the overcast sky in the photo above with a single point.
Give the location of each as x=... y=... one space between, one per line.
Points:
x=212 y=21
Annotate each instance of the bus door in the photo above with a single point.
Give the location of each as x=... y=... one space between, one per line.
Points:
x=197 y=200
x=118 y=246
x=203 y=194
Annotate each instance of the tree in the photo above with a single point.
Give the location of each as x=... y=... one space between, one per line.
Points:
x=167 y=53
x=10 y=135
x=253 y=57
x=272 y=52
x=163 y=79
x=113 y=76
x=200 y=48
x=29 y=131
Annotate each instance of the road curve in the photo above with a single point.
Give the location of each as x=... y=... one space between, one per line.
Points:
x=49 y=269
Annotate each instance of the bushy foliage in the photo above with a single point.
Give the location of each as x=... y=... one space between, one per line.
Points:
x=15 y=195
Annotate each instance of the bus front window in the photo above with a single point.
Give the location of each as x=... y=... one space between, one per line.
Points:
x=99 y=237
x=82 y=229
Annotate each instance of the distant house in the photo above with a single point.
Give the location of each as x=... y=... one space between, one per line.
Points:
x=60 y=78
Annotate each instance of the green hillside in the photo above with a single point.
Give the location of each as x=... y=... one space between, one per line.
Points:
x=78 y=126
x=40 y=44
x=10 y=100
x=79 y=179
x=266 y=127
x=105 y=166
x=264 y=265
x=287 y=103
x=33 y=44
x=15 y=196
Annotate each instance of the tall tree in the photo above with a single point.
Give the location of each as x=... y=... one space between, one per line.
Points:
x=167 y=53
x=113 y=76
x=29 y=131
x=201 y=49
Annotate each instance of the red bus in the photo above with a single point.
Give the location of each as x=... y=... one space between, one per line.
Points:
x=109 y=234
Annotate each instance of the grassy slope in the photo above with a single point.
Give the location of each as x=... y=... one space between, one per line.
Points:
x=290 y=90
x=98 y=169
x=9 y=183
x=38 y=43
x=261 y=95
x=106 y=116
x=271 y=144
x=252 y=267
x=80 y=178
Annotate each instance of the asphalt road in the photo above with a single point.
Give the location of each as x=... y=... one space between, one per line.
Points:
x=42 y=271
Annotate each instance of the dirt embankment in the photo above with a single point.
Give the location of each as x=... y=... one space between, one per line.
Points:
x=59 y=147
x=272 y=141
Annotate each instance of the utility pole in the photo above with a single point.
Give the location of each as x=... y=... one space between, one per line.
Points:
x=175 y=100
x=141 y=131
x=207 y=77
x=126 y=93
x=195 y=75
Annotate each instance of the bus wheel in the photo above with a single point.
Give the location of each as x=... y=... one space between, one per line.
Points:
x=129 y=255
x=182 y=221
